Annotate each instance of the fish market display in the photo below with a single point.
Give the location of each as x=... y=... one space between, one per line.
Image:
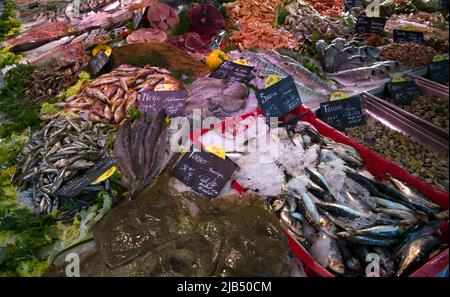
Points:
x=432 y=109
x=87 y=168
x=404 y=151
x=110 y=96
x=329 y=7
x=303 y=21
x=354 y=64
x=283 y=67
x=45 y=83
x=433 y=25
x=297 y=71
x=255 y=21
x=54 y=155
x=147 y=35
x=217 y=98
x=341 y=55
x=330 y=203
x=144 y=151
x=409 y=54
x=428 y=23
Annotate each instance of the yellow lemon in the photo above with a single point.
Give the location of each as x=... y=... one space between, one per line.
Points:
x=215 y=59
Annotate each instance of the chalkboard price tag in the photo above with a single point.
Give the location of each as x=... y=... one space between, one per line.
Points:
x=408 y=36
x=74 y=187
x=173 y=102
x=343 y=113
x=204 y=172
x=97 y=63
x=402 y=93
x=233 y=72
x=279 y=98
x=349 y=4
x=370 y=25
x=438 y=71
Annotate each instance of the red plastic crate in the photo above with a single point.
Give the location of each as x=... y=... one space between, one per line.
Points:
x=377 y=166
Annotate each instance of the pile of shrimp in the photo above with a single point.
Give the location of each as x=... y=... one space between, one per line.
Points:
x=255 y=19
x=332 y=8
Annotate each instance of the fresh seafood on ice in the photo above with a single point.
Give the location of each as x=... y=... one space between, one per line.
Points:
x=328 y=201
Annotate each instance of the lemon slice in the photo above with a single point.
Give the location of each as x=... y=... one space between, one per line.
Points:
x=101 y=47
x=338 y=96
x=271 y=79
x=105 y=175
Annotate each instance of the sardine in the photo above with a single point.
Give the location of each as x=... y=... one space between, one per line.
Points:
x=382 y=231
x=416 y=252
x=309 y=209
x=366 y=240
x=320 y=180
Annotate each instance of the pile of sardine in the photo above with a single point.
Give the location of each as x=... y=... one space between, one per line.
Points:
x=144 y=150
x=109 y=97
x=46 y=82
x=344 y=214
x=54 y=155
x=330 y=203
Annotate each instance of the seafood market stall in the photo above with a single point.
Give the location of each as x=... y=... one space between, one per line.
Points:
x=224 y=138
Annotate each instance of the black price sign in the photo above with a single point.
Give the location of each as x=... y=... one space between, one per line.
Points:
x=173 y=102
x=402 y=93
x=233 y=72
x=204 y=172
x=370 y=25
x=74 y=187
x=344 y=113
x=97 y=63
x=279 y=98
x=408 y=36
x=438 y=71
x=349 y=4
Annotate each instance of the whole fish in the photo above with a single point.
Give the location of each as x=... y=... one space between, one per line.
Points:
x=382 y=231
x=414 y=196
x=366 y=240
x=343 y=211
x=320 y=180
x=384 y=203
x=360 y=77
x=420 y=231
x=416 y=251
x=297 y=71
x=384 y=191
x=309 y=209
